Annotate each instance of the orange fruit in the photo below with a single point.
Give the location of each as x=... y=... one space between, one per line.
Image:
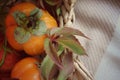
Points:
x=35 y=44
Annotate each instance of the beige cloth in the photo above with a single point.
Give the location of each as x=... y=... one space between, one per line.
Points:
x=96 y=19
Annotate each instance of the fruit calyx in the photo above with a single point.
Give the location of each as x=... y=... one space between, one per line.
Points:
x=28 y=25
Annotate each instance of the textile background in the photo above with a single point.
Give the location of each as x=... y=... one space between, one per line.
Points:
x=96 y=19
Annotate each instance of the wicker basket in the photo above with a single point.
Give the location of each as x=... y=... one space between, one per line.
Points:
x=67 y=19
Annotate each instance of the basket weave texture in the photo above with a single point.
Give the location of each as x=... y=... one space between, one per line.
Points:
x=67 y=19
x=68 y=16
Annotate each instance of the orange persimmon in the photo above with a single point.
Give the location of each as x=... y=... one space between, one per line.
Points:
x=23 y=22
x=26 y=69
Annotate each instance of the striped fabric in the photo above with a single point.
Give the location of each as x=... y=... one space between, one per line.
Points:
x=96 y=19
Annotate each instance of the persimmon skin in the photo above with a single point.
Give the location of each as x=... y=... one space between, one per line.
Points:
x=11 y=40
x=48 y=19
x=10 y=21
x=26 y=69
x=25 y=7
x=35 y=45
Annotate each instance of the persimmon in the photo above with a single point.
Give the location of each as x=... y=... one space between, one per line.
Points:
x=25 y=27
x=26 y=69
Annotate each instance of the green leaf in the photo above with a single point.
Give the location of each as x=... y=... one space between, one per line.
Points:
x=52 y=52
x=54 y=71
x=46 y=67
x=47 y=64
x=21 y=35
x=60 y=49
x=40 y=29
x=69 y=31
x=52 y=31
x=71 y=44
x=68 y=66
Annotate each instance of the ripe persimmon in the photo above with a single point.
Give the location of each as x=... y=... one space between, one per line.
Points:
x=26 y=69
x=24 y=25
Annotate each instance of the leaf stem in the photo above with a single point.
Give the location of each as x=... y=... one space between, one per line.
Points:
x=4 y=53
